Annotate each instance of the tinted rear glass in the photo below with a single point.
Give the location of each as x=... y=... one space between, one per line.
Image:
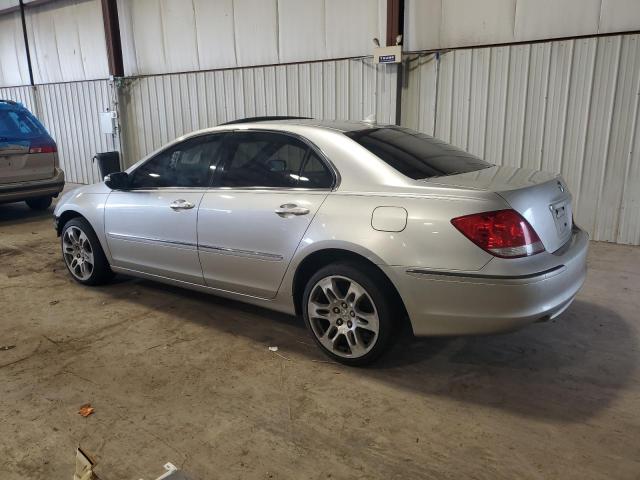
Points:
x=416 y=155
x=19 y=124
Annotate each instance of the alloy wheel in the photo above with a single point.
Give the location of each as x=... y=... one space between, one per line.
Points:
x=77 y=252
x=343 y=316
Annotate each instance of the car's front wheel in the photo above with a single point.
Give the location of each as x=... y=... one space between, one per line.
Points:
x=83 y=254
x=39 y=203
x=350 y=312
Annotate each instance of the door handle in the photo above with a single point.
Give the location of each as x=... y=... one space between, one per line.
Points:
x=289 y=209
x=181 y=205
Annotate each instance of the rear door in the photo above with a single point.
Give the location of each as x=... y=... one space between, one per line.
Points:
x=249 y=225
x=27 y=152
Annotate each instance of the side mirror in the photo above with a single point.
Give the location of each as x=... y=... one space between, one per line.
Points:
x=117 y=181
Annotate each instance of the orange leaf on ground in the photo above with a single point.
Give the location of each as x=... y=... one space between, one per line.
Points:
x=86 y=410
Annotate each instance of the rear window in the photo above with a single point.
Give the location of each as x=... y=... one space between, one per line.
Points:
x=19 y=124
x=416 y=155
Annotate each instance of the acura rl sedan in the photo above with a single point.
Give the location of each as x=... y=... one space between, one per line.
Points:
x=354 y=226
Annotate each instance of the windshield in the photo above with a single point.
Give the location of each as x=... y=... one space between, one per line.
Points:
x=19 y=125
x=416 y=155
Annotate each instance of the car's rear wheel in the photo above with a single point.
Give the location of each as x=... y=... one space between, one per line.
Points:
x=39 y=203
x=348 y=312
x=83 y=254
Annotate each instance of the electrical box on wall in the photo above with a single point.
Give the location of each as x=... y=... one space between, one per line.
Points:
x=108 y=122
x=387 y=54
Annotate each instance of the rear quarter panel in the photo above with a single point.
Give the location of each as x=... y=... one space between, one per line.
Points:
x=428 y=240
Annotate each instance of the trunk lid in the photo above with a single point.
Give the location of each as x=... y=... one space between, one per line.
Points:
x=542 y=198
x=18 y=165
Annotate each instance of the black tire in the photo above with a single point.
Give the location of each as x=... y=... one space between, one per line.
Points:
x=39 y=203
x=377 y=287
x=101 y=271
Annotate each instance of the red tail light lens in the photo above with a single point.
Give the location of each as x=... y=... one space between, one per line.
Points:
x=43 y=148
x=503 y=233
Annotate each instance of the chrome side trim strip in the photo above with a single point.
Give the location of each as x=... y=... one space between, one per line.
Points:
x=135 y=238
x=484 y=277
x=242 y=253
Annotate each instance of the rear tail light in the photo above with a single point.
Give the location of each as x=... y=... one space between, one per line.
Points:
x=503 y=233
x=43 y=148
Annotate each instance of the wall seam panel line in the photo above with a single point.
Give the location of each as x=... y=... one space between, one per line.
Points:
x=603 y=170
x=632 y=140
x=468 y=99
x=526 y=103
x=453 y=82
x=587 y=120
x=64 y=132
x=506 y=102
x=95 y=144
x=72 y=98
x=77 y=99
x=486 y=107
x=544 y=110
x=566 y=105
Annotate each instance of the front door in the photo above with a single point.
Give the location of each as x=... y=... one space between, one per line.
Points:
x=151 y=227
x=250 y=224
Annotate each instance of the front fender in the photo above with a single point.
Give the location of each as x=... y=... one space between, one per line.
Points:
x=88 y=202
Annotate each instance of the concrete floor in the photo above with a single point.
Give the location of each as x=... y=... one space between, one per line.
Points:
x=188 y=378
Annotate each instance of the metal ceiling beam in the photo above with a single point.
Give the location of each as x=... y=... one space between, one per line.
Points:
x=26 y=42
x=395 y=20
x=112 y=37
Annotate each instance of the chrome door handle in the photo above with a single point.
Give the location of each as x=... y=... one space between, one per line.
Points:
x=289 y=209
x=181 y=205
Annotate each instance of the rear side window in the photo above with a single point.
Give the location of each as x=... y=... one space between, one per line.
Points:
x=272 y=160
x=19 y=124
x=416 y=155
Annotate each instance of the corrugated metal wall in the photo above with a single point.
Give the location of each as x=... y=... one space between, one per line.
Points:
x=440 y=24
x=69 y=111
x=66 y=42
x=25 y=95
x=172 y=36
x=157 y=109
x=567 y=106
x=13 y=58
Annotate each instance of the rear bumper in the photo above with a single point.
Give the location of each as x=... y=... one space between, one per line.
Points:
x=451 y=303
x=15 y=192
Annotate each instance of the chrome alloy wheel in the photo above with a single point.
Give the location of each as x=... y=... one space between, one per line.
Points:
x=343 y=316
x=77 y=252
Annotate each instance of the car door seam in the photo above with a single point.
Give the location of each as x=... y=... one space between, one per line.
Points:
x=299 y=242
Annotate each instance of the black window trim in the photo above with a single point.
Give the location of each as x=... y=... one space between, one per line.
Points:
x=168 y=147
x=335 y=175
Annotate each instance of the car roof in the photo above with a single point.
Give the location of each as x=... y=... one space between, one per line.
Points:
x=10 y=105
x=337 y=125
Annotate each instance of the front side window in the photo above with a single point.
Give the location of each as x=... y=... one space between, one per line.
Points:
x=189 y=164
x=416 y=155
x=272 y=160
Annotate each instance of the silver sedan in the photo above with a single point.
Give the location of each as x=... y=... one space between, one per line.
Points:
x=354 y=226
